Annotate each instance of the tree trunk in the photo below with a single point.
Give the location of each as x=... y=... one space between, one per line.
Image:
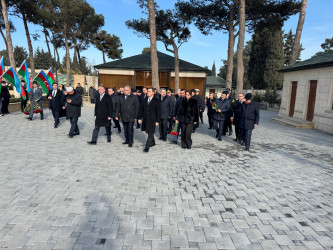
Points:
x=31 y=51
x=8 y=35
x=68 y=58
x=4 y=38
x=79 y=58
x=154 y=58
x=231 y=43
x=240 y=47
x=103 y=57
x=47 y=44
x=297 y=41
x=75 y=64
x=175 y=49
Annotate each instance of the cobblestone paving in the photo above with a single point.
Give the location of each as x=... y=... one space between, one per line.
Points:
x=60 y=193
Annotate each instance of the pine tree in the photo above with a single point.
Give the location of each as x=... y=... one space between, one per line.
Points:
x=213 y=73
x=289 y=39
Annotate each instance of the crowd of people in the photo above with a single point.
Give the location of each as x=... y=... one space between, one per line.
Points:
x=177 y=113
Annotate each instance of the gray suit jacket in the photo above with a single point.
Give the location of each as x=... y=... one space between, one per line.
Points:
x=36 y=95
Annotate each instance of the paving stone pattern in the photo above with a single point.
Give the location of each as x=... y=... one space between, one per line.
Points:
x=60 y=193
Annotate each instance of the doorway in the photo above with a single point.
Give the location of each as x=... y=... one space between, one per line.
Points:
x=292 y=98
x=311 y=100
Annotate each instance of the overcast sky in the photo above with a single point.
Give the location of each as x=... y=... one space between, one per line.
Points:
x=201 y=50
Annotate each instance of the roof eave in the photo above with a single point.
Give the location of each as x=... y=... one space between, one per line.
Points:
x=304 y=67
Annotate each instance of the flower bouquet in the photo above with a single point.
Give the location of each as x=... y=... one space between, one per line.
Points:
x=215 y=107
x=174 y=130
x=37 y=109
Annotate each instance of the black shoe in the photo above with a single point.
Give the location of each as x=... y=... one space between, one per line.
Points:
x=55 y=126
x=217 y=135
x=230 y=133
x=125 y=142
x=247 y=149
x=115 y=127
x=29 y=118
x=42 y=118
x=91 y=142
x=108 y=140
x=70 y=136
x=119 y=130
x=77 y=134
x=129 y=145
x=153 y=144
x=146 y=150
x=189 y=147
x=236 y=139
x=164 y=139
x=174 y=142
x=161 y=138
x=220 y=139
x=210 y=128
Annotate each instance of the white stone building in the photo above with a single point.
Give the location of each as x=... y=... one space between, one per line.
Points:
x=307 y=96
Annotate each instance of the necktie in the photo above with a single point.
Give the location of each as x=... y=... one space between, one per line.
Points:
x=100 y=98
x=125 y=97
x=54 y=93
x=149 y=101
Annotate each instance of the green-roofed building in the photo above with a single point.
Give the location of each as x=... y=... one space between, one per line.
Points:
x=307 y=96
x=135 y=71
x=215 y=84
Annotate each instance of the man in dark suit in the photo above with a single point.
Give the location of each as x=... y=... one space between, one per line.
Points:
x=73 y=110
x=150 y=117
x=5 y=98
x=250 y=118
x=129 y=110
x=56 y=100
x=35 y=95
x=79 y=90
x=220 y=115
x=116 y=107
x=210 y=110
x=238 y=110
x=175 y=113
x=103 y=115
x=166 y=113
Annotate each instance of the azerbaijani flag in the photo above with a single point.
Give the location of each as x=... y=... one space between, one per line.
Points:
x=50 y=76
x=23 y=71
x=2 y=68
x=12 y=78
x=41 y=78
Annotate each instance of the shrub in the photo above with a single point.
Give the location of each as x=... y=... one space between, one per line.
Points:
x=272 y=97
x=257 y=97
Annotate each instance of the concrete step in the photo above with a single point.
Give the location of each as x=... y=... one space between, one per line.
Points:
x=289 y=121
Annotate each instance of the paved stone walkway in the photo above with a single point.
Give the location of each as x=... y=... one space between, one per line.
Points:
x=60 y=193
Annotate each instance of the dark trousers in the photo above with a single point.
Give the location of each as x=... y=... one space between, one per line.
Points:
x=92 y=100
x=186 y=134
x=171 y=122
x=163 y=128
x=150 y=140
x=201 y=116
x=247 y=137
x=96 y=131
x=4 y=107
x=218 y=126
x=210 y=121
x=238 y=132
x=74 y=130
x=116 y=123
x=227 y=125
x=56 y=117
x=128 y=131
x=23 y=104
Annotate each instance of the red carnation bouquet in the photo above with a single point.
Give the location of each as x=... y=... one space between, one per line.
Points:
x=215 y=107
x=174 y=130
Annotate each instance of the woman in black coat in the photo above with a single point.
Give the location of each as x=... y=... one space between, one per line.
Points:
x=188 y=116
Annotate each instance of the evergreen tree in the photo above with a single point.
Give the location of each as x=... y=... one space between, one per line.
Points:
x=288 y=45
x=267 y=55
x=213 y=73
x=328 y=44
x=20 y=54
x=42 y=59
x=146 y=50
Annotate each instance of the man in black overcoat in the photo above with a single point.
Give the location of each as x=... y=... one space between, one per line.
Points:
x=24 y=101
x=103 y=115
x=150 y=117
x=5 y=97
x=166 y=113
x=238 y=110
x=210 y=110
x=250 y=118
x=116 y=108
x=129 y=110
x=73 y=110
x=56 y=101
